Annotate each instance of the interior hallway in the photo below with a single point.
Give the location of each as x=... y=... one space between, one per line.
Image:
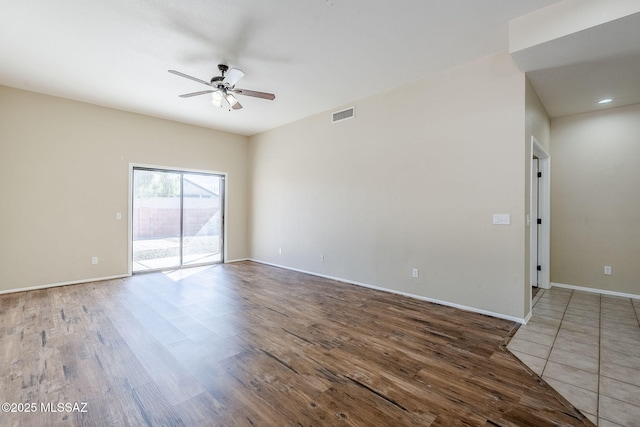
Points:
x=587 y=347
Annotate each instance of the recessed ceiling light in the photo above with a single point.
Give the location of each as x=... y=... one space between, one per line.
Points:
x=605 y=101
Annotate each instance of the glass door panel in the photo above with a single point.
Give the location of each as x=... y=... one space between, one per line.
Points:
x=156 y=219
x=202 y=219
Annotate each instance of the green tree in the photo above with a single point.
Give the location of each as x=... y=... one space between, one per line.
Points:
x=156 y=184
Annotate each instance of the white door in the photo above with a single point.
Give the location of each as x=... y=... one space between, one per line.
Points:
x=535 y=198
x=540 y=202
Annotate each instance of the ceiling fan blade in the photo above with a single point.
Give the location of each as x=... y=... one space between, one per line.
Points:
x=255 y=94
x=202 y=92
x=186 y=76
x=237 y=106
x=233 y=76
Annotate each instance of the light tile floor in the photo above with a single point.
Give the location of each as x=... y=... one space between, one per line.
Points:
x=587 y=347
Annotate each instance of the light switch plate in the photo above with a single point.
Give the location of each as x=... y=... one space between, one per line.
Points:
x=501 y=219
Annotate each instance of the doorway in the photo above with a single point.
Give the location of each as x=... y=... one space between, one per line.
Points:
x=539 y=217
x=177 y=219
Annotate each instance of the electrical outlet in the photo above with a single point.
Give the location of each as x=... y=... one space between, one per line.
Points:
x=119 y=216
x=94 y=260
x=321 y=258
x=415 y=273
x=607 y=270
x=280 y=251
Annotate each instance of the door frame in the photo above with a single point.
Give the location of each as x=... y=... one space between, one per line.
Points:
x=224 y=175
x=543 y=249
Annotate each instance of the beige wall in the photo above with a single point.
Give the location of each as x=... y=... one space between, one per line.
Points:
x=595 y=199
x=64 y=171
x=411 y=182
x=538 y=125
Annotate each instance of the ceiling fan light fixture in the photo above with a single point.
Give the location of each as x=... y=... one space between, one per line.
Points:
x=231 y=99
x=216 y=98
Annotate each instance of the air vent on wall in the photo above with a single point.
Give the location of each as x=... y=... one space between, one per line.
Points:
x=346 y=114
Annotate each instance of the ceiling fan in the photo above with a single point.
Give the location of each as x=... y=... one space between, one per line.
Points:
x=224 y=88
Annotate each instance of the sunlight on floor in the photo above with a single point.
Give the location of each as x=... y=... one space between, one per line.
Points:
x=176 y=275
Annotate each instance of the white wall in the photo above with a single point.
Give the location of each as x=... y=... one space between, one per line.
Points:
x=411 y=182
x=595 y=202
x=64 y=171
x=564 y=18
x=537 y=125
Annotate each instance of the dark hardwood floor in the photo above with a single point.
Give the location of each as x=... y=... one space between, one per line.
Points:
x=246 y=344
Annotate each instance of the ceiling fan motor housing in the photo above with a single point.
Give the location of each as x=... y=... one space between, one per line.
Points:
x=223 y=69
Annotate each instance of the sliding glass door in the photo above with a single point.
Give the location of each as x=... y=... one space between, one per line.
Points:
x=201 y=219
x=177 y=219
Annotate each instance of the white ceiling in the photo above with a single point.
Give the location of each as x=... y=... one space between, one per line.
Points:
x=315 y=55
x=573 y=72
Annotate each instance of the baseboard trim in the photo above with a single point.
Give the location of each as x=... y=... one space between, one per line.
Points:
x=77 y=282
x=406 y=294
x=55 y=285
x=230 y=261
x=595 y=290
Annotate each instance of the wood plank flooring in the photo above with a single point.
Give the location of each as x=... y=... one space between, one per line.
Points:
x=246 y=344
